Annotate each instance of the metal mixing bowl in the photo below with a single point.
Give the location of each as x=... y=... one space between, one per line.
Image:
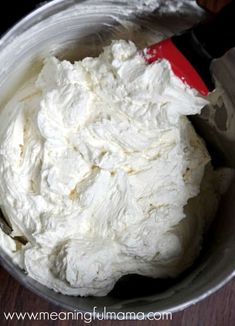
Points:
x=63 y=28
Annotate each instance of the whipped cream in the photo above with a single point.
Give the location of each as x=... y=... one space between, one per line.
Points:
x=100 y=171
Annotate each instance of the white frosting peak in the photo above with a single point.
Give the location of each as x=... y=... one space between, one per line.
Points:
x=97 y=164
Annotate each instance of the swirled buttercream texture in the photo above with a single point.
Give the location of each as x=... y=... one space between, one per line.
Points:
x=101 y=170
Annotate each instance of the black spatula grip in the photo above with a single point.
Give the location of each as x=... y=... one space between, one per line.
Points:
x=208 y=40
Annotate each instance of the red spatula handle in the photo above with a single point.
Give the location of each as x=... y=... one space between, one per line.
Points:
x=181 y=67
x=190 y=53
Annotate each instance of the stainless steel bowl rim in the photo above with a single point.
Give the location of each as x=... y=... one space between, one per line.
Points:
x=28 y=21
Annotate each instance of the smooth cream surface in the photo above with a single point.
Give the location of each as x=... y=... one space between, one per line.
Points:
x=97 y=164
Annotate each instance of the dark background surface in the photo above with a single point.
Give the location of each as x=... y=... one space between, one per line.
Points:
x=12 y=11
x=217 y=310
